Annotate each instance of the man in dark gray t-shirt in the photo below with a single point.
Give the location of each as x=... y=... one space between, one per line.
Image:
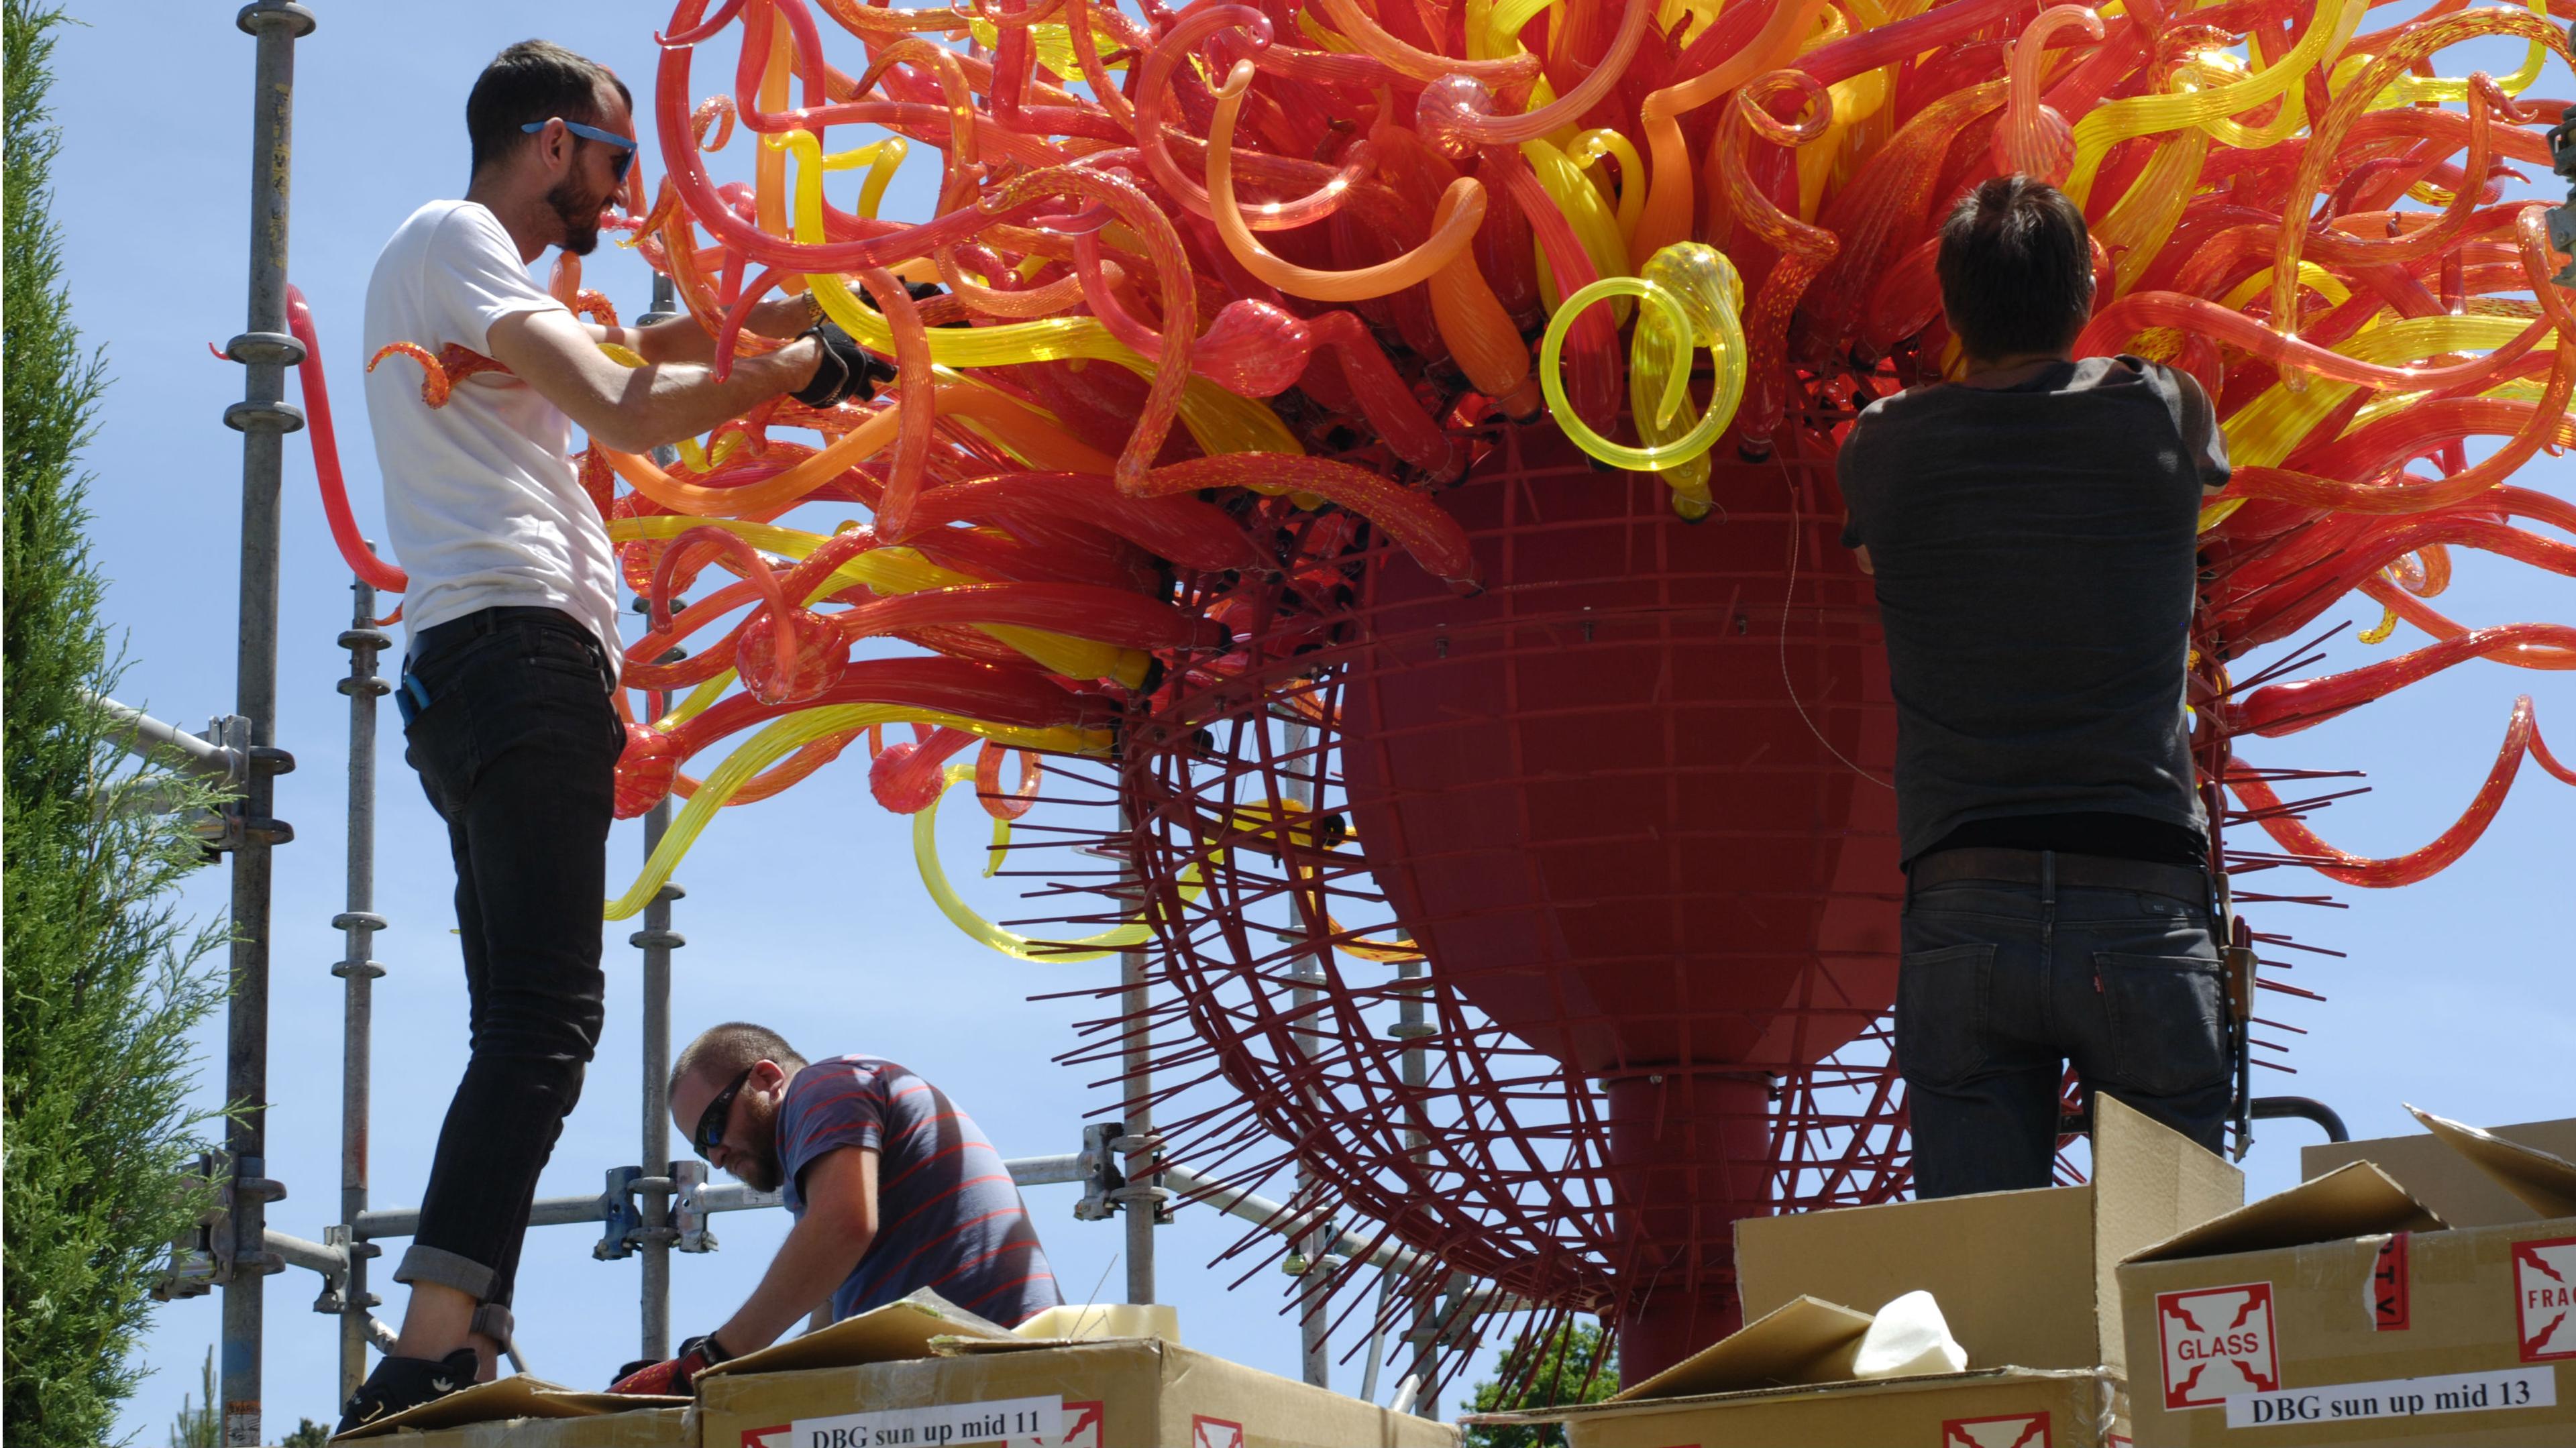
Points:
x=2032 y=530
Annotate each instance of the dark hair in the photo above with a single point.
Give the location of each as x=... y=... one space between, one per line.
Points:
x=534 y=80
x=2016 y=268
x=732 y=1048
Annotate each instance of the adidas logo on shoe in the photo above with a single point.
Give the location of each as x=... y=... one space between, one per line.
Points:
x=399 y=1383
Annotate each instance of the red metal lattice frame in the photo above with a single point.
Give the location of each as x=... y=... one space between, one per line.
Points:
x=1270 y=1035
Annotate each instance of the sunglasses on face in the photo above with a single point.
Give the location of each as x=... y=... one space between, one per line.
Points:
x=711 y=1122
x=617 y=165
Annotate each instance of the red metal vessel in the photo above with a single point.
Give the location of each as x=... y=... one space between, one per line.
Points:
x=1630 y=804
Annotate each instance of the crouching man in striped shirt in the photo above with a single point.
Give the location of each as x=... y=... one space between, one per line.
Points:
x=893 y=1188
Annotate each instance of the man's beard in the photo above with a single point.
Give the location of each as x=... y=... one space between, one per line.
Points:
x=579 y=213
x=754 y=1162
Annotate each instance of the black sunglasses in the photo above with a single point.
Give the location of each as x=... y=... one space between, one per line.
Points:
x=711 y=1123
x=617 y=164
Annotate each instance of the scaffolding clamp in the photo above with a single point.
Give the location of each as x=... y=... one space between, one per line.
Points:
x=689 y=1216
x=202 y=1256
x=617 y=1209
x=1101 y=1178
x=193 y=1268
x=232 y=827
x=207 y=1255
x=345 y=1237
x=189 y=1273
x=1147 y=1189
x=334 y=1299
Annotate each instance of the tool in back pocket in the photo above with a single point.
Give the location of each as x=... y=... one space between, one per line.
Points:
x=412 y=698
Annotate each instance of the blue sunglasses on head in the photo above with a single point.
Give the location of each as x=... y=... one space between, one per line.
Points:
x=625 y=146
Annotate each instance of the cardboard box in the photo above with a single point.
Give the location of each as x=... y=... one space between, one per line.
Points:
x=2447 y=1183
x=1092 y=1321
x=910 y=1373
x=2025 y=1279
x=1786 y=1379
x=2342 y=1311
x=525 y=1412
x=649 y=1428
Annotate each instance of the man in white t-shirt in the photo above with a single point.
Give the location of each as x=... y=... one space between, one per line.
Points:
x=513 y=643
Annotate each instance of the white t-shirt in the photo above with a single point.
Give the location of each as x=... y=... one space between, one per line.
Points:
x=482 y=500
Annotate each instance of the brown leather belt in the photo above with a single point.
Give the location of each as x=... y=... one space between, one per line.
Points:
x=2023 y=867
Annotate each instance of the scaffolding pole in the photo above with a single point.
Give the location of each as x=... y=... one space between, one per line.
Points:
x=703 y=1198
x=654 y=1237
x=358 y=971
x=1313 y=1251
x=657 y=940
x=262 y=417
x=1412 y=1029
x=1141 y=1199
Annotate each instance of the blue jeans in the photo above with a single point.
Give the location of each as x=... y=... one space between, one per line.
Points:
x=2002 y=985
x=517 y=749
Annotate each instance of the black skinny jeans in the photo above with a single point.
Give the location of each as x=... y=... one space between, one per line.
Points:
x=2003 y=985
x=517 y=749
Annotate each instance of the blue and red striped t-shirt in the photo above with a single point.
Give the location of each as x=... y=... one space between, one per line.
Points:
x=949 y=1218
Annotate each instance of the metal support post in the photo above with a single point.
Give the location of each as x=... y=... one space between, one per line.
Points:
x=1139 y=1198
x=264 y=349
x=358 y=971
x=655 y=1235
x=657 y=940
x=1141 y=1154
x=1377 y=1338
x=2562 y=154
x=1440 y=1325
x=1310 y=1252
x=1411 y=1029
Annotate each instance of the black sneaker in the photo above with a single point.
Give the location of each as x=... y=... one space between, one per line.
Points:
x=401 y=1382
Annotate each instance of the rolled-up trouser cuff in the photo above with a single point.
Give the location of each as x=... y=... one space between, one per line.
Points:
x=493 y=1320
x=446 y=1269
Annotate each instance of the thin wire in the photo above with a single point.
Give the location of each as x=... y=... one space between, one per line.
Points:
x=1797 y=541
x=1095 y=1291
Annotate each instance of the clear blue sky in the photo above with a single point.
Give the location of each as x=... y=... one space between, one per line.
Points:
x=806 y=911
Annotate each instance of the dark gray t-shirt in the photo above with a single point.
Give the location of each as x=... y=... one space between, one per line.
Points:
x=2035 y=548
x=949 y=1217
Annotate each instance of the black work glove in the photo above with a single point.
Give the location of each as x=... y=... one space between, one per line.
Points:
x=920 y=292
x=846 y=371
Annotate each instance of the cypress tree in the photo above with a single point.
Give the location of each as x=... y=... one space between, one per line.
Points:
x=103 y=982
x=199 y=1425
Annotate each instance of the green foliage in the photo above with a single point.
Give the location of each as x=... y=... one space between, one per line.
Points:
x=1575 y=1364
x=102 y=982
x=199 y=1426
